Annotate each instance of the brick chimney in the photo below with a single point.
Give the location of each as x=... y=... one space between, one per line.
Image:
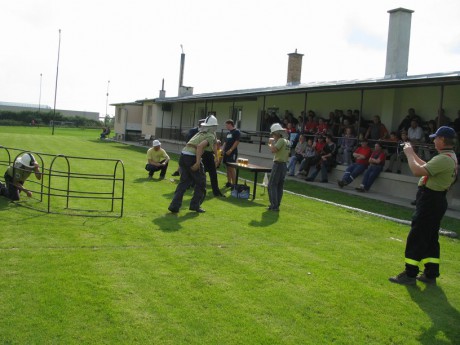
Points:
x=294 y=68
x=398 y=43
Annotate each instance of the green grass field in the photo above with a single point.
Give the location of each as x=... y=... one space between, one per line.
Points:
x=238 y=274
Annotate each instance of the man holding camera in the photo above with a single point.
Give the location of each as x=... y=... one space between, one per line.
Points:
x=436 y=177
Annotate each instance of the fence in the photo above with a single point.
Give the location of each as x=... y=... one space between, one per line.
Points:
x=72 y=185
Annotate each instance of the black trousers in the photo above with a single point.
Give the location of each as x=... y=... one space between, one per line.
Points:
x=422 y=244
x=152 y=168
x=9 y=190
x=210 y=167
x=188 y=177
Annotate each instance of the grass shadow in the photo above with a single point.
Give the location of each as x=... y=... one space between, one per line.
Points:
x=444 y=317
x=4 y=202
x=172 y=222
x=268 y=218
x=147 y=180
x=238 y=202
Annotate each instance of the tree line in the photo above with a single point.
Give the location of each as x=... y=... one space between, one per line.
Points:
x=45 y=118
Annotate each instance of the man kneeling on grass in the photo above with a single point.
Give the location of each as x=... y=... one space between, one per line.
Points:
x=17 y=174
x=157 y=160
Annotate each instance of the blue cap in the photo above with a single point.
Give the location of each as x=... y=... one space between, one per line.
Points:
x=444 y=131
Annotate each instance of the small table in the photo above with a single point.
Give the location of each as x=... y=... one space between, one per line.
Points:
x=250 y=167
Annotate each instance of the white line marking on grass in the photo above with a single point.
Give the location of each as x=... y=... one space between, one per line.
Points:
x=442 y=232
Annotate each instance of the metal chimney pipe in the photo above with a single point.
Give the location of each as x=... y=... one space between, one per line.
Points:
x=181 y=74
x=398 y=43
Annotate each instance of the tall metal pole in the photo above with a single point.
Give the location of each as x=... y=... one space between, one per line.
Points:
x=107 y=100
x=40 y=95
x=57 y=74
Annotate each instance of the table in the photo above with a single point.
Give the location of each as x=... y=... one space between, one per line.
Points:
x=250 y=167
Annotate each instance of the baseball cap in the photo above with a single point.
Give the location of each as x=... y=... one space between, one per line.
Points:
x=444 y=131
x=156 y=143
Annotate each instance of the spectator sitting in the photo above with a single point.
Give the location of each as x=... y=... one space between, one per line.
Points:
x=333 y=124
x=292 y=134
x=441 y=119
x=354 y=117
x=310 y=125
x=311 y=155
x=105 y=132
x=348 y=115
x=361 y=155
x=297 y=156
x=325 y=164
x=376 y=164
x=339 y=115
x=391 y=144
x=321 y=129
x=346 y=145
x=416 y=136
x=299 y=126
x=415 y=133
x=406 y=122
x=157 y=160
x=399 y=155
x=376 y=130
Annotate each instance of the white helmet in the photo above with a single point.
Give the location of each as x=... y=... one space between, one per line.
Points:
x=27 y=159
x=276 y=127
x=210 y=121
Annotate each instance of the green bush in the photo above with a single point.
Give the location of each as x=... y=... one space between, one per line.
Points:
x=11 y=118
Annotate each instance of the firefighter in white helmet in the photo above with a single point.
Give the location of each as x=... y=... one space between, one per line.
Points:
x=191 y=167
x=17 y=174
x=280 y=148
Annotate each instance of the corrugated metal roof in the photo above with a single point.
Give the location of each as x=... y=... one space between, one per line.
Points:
x=424 y=79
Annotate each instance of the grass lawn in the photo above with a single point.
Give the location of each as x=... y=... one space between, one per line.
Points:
x=238 y=274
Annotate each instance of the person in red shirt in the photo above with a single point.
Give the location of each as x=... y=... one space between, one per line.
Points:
x=321 y=129
x=361 y=155
x=310 y=125
x=376 y=164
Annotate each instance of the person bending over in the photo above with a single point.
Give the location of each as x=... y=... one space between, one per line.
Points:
x=17 y=174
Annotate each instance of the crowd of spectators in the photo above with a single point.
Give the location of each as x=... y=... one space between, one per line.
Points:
x=328 y=141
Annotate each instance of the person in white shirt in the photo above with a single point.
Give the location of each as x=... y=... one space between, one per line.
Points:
x=415 y=132
x=416 y=135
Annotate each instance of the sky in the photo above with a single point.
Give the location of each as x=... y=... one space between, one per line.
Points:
x=127 y=48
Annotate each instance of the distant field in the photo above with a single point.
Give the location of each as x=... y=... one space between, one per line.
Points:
x=311 y=274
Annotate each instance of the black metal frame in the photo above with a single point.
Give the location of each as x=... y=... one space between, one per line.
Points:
x=116 y=193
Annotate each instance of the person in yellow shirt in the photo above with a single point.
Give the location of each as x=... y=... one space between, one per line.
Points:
x=157 y=160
